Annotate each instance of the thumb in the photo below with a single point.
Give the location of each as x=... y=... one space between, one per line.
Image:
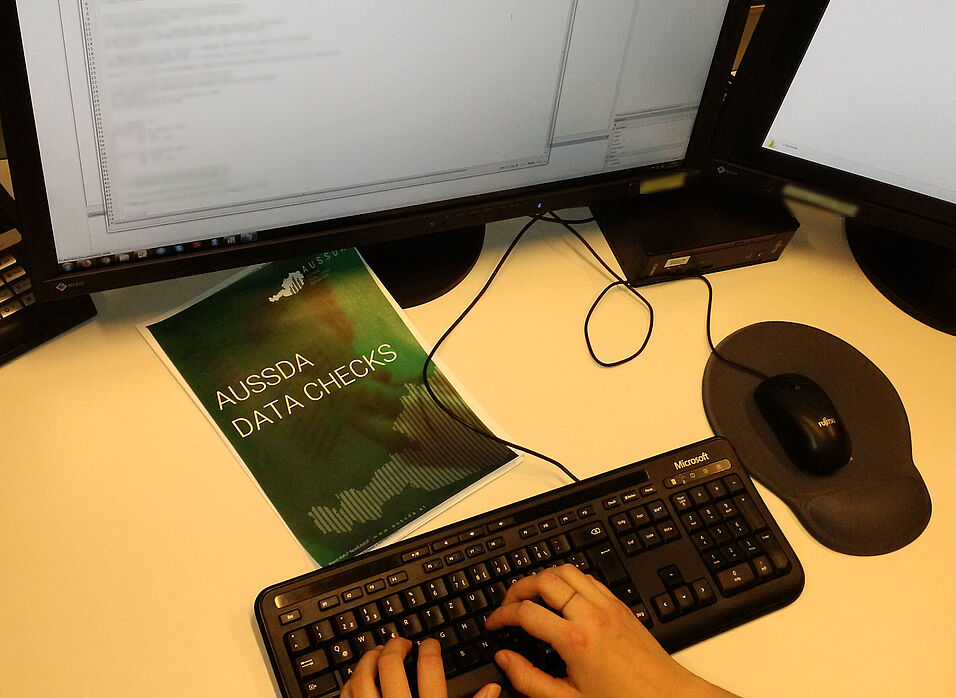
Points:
x=529 y=679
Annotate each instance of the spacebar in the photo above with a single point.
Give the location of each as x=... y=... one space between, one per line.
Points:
x=468 y=684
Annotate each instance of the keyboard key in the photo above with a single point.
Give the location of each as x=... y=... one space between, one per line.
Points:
x=298 y=641
x=375 y=586
x=328 y=603
x=475 y=551
x=567 y=518
x=649 y=537
x=648 y=490
x=520 y=559
x=290 y=617
x=640 y=612
x=410 y=626
x=700 y=495
x=352 y=594
x=587 y=535
x=540 y=552
x=364 y=642
x=629 y=496
x=413 y=598
x=668 y=531
x=632 y=544
x=749 y=511
x=392 y=606
x=467 y=630
x=345 y=623
x=446 y=638
x=397 y=578
x=479 y=574
x=773 y=550
x=764 y=568
x=320 y=686
x=499 y=566
x=13 y=273
x=454 y=558
x=527 y=532
x=639 y=517
x=685 y=599
x=415 y=554
x=453 y=608
x=621 y=523
x=665 y=607
x=560 y=545
x=548 y=525
x=585 y=512
x=473 y=533
x=386 y=632
x=682 y=502
x=734 y=483
x=444 y=543
x=458 y=581
x=435 y=589
x=692 y=522
x=432 y=565
x=671 y=576
x=702 y=591
x=433 y=617
x=500 y=524
x=465 y=657
x=717 y=489
x=608 y=566
x=734 y=580
x=476 y=601
x=495 y=543
x=322 y=631
x=657 y=510
x=611 y=502
x=312 y=663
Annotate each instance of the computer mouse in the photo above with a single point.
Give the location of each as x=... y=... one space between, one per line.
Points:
x=804 y=420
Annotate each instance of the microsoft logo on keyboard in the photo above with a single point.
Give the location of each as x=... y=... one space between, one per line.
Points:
x=702 y=458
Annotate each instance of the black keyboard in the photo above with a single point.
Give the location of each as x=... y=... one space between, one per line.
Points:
x=682 y=538
x=24 y=323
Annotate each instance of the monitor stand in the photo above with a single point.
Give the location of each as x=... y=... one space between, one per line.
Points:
x=420 y=269
x=917 y=276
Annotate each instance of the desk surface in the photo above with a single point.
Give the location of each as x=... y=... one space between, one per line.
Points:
x=134 y=544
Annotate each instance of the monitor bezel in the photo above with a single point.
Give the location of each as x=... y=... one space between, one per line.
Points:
x=50 y=282
x=740 y=161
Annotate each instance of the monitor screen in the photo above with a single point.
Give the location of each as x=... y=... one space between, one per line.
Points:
x=170 y=128
x=850 y=105
x=875 y=96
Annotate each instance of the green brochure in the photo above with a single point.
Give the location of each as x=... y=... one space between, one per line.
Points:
x=313 y=376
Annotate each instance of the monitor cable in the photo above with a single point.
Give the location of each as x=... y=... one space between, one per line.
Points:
x=552 y=217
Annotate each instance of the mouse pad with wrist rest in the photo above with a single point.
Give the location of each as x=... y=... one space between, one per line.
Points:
x=876 y=503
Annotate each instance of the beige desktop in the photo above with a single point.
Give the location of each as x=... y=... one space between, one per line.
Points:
x=134 y=544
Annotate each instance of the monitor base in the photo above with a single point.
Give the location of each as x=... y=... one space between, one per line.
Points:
x=917 y=276
x=420 y=269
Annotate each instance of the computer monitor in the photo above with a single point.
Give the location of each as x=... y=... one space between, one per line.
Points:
x=852 y=105
x=159 y=138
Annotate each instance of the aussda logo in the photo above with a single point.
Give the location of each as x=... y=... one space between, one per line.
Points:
x=827 y=422
x=690 y=462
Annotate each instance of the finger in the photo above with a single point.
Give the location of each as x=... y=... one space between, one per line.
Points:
x=534 y=618
x=546 y=585
x=362 y=683
x=602 y=588
x=489 y=690
x=529 y=680
x=431 y=672
x=391 y=669
x=584 y=584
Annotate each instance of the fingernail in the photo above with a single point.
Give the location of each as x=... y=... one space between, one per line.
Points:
x=494 y=690
x=501 y=659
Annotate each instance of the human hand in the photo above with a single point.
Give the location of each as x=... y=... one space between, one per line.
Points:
x=388 y=665
x=608 y=652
